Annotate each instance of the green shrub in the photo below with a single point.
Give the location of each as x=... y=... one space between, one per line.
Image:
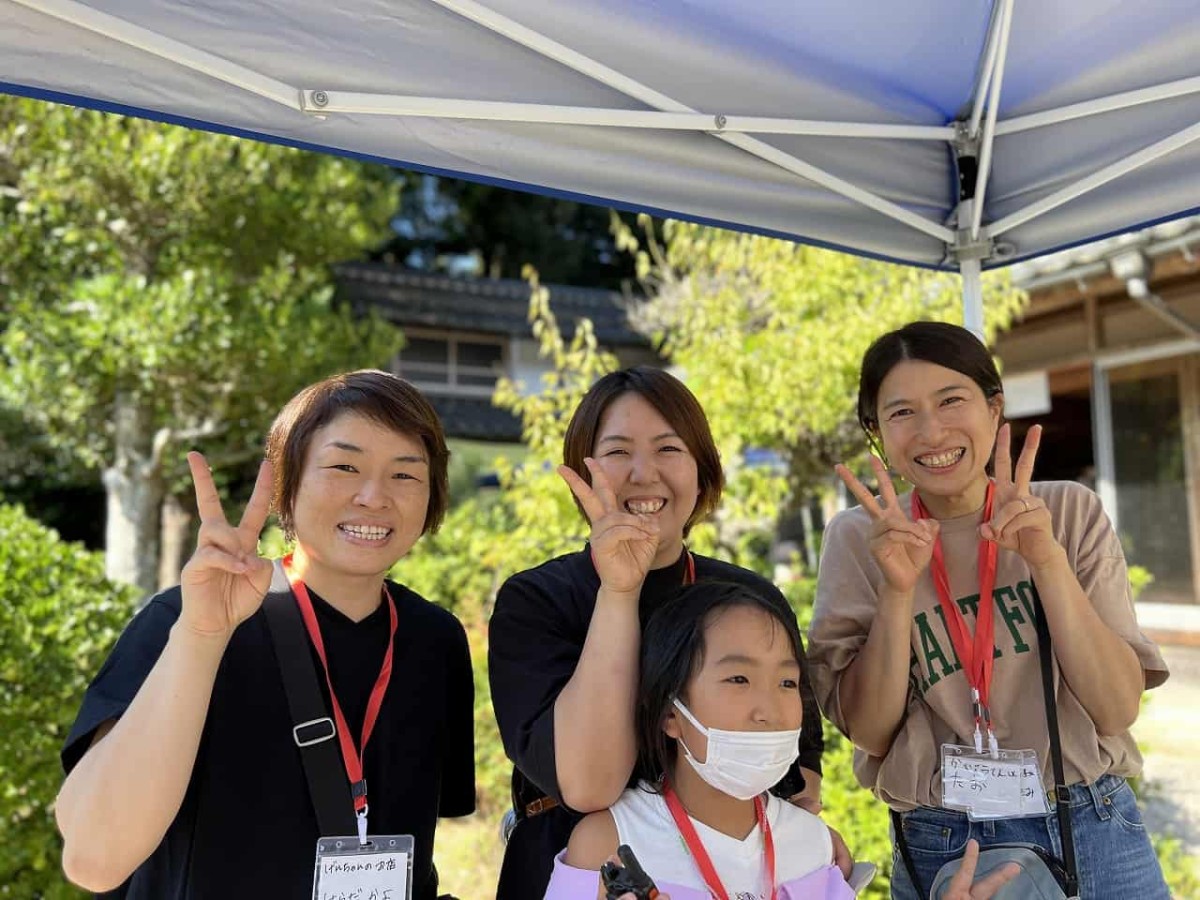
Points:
x=58 y=620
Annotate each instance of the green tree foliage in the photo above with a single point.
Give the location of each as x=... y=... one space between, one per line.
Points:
x=770 y=334
x=58 y=619
x=446 y=224
x=168 y=288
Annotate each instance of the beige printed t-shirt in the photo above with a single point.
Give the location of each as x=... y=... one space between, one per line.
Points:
x=939 y=707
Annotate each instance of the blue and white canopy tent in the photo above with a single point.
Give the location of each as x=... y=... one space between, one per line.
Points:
x=958 y=134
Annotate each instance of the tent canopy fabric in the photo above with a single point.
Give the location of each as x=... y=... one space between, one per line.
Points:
x=857 y=125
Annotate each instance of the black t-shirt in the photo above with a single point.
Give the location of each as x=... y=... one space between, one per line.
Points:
x=246 y=828
x=535 y=639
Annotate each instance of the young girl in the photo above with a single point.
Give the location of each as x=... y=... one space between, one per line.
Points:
x=718 y=717
x=906 y=660
x=718 y=722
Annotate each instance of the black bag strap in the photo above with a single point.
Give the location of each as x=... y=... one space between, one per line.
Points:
x=905 y=855
x=313 y=731
x=1062 y=796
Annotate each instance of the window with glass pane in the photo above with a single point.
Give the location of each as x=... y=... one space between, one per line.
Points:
x=1152 y=500
x=426 y=360
x=478 y=364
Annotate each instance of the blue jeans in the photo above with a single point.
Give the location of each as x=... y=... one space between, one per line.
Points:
x=1112 y=850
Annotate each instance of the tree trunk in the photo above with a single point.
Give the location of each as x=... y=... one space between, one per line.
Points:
x=176 y=541
x=134 y=486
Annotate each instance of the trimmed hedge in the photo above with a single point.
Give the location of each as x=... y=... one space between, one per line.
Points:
x=59 y=617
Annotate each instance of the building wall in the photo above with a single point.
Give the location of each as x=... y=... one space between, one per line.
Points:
x=1076 y=334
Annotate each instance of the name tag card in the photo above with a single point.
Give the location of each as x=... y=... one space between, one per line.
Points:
x=1006 y=785
x=379 y=870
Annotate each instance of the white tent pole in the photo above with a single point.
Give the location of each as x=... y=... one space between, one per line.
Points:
x=585 y=65
x=1096 y=179
x=985 y=74
x=972 y=296
x=174 y=51
x=989 y=127
x=326 y=102
x=1166 y=91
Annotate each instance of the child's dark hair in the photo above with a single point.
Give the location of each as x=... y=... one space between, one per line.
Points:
x=673 y=650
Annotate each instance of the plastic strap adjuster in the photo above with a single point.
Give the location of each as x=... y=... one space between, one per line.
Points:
x=326 y=730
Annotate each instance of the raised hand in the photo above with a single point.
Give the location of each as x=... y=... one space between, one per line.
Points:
x=960 y=886
x=1020 y=521
x=900 y=546
x=225 y=580
x=623 y=544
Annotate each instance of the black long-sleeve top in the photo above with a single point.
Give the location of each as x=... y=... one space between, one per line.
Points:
x=535 y=639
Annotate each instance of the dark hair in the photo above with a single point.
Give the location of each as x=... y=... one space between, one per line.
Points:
x=673 y=651
x=379 y=396
x=675 y=403
x=940 y=343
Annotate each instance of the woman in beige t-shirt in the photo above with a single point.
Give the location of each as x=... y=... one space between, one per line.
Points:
x=889 y=674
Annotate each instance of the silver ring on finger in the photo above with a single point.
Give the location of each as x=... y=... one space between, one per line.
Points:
x=1025 y=503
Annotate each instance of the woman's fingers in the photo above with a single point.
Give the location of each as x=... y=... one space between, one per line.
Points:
x=1024 y=512
x=987 y=888
x=259 y=507
x=592 y=507
x=899 y=527
x=887 y=491
x=626 y=527
x=222 y=536
x=1033 y=439
x=211 y=559
x=1003 y=461
x=860 y=491
x=208 y=501
x=960 y=884
x=601 y=485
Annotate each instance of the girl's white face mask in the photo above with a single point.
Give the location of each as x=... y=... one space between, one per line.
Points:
x=742 y=764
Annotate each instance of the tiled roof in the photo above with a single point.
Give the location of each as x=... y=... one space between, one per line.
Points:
x=476 y=419
x=489 y=306
x=1088 y=259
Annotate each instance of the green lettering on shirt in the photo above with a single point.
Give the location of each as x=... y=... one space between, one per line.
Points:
x=970 y=604
x=916 y=680
x=932 y=650
x=953 y=650
x=1010 y=611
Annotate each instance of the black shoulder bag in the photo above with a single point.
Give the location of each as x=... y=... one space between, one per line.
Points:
x=313 y=730
x=1064 y=871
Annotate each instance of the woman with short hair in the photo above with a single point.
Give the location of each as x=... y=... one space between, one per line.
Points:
x=185 y=774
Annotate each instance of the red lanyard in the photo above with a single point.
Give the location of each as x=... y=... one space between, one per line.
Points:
x=976 y=655
x=352 y=757
x=703 y=862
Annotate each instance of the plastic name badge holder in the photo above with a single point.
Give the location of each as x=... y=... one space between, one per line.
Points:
x=380 y=869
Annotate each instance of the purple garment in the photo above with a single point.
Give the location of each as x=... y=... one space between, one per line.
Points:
x=569 y=883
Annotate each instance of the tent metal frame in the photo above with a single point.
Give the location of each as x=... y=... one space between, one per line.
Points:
x=971 y=243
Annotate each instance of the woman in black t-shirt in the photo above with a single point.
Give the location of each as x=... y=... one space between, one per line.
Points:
x=184 y=774
x=565 y=636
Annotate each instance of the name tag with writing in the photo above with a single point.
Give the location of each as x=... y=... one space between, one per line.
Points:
x=379 y=870
x=1005 y=786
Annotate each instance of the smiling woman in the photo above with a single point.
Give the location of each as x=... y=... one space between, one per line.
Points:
x=565 y=637
x=184 y=763
x=916 y=669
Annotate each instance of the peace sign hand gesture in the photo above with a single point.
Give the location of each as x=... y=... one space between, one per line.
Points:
x=1020 y=521
x=225 y=580
x=623 y=544
x=900 y=546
